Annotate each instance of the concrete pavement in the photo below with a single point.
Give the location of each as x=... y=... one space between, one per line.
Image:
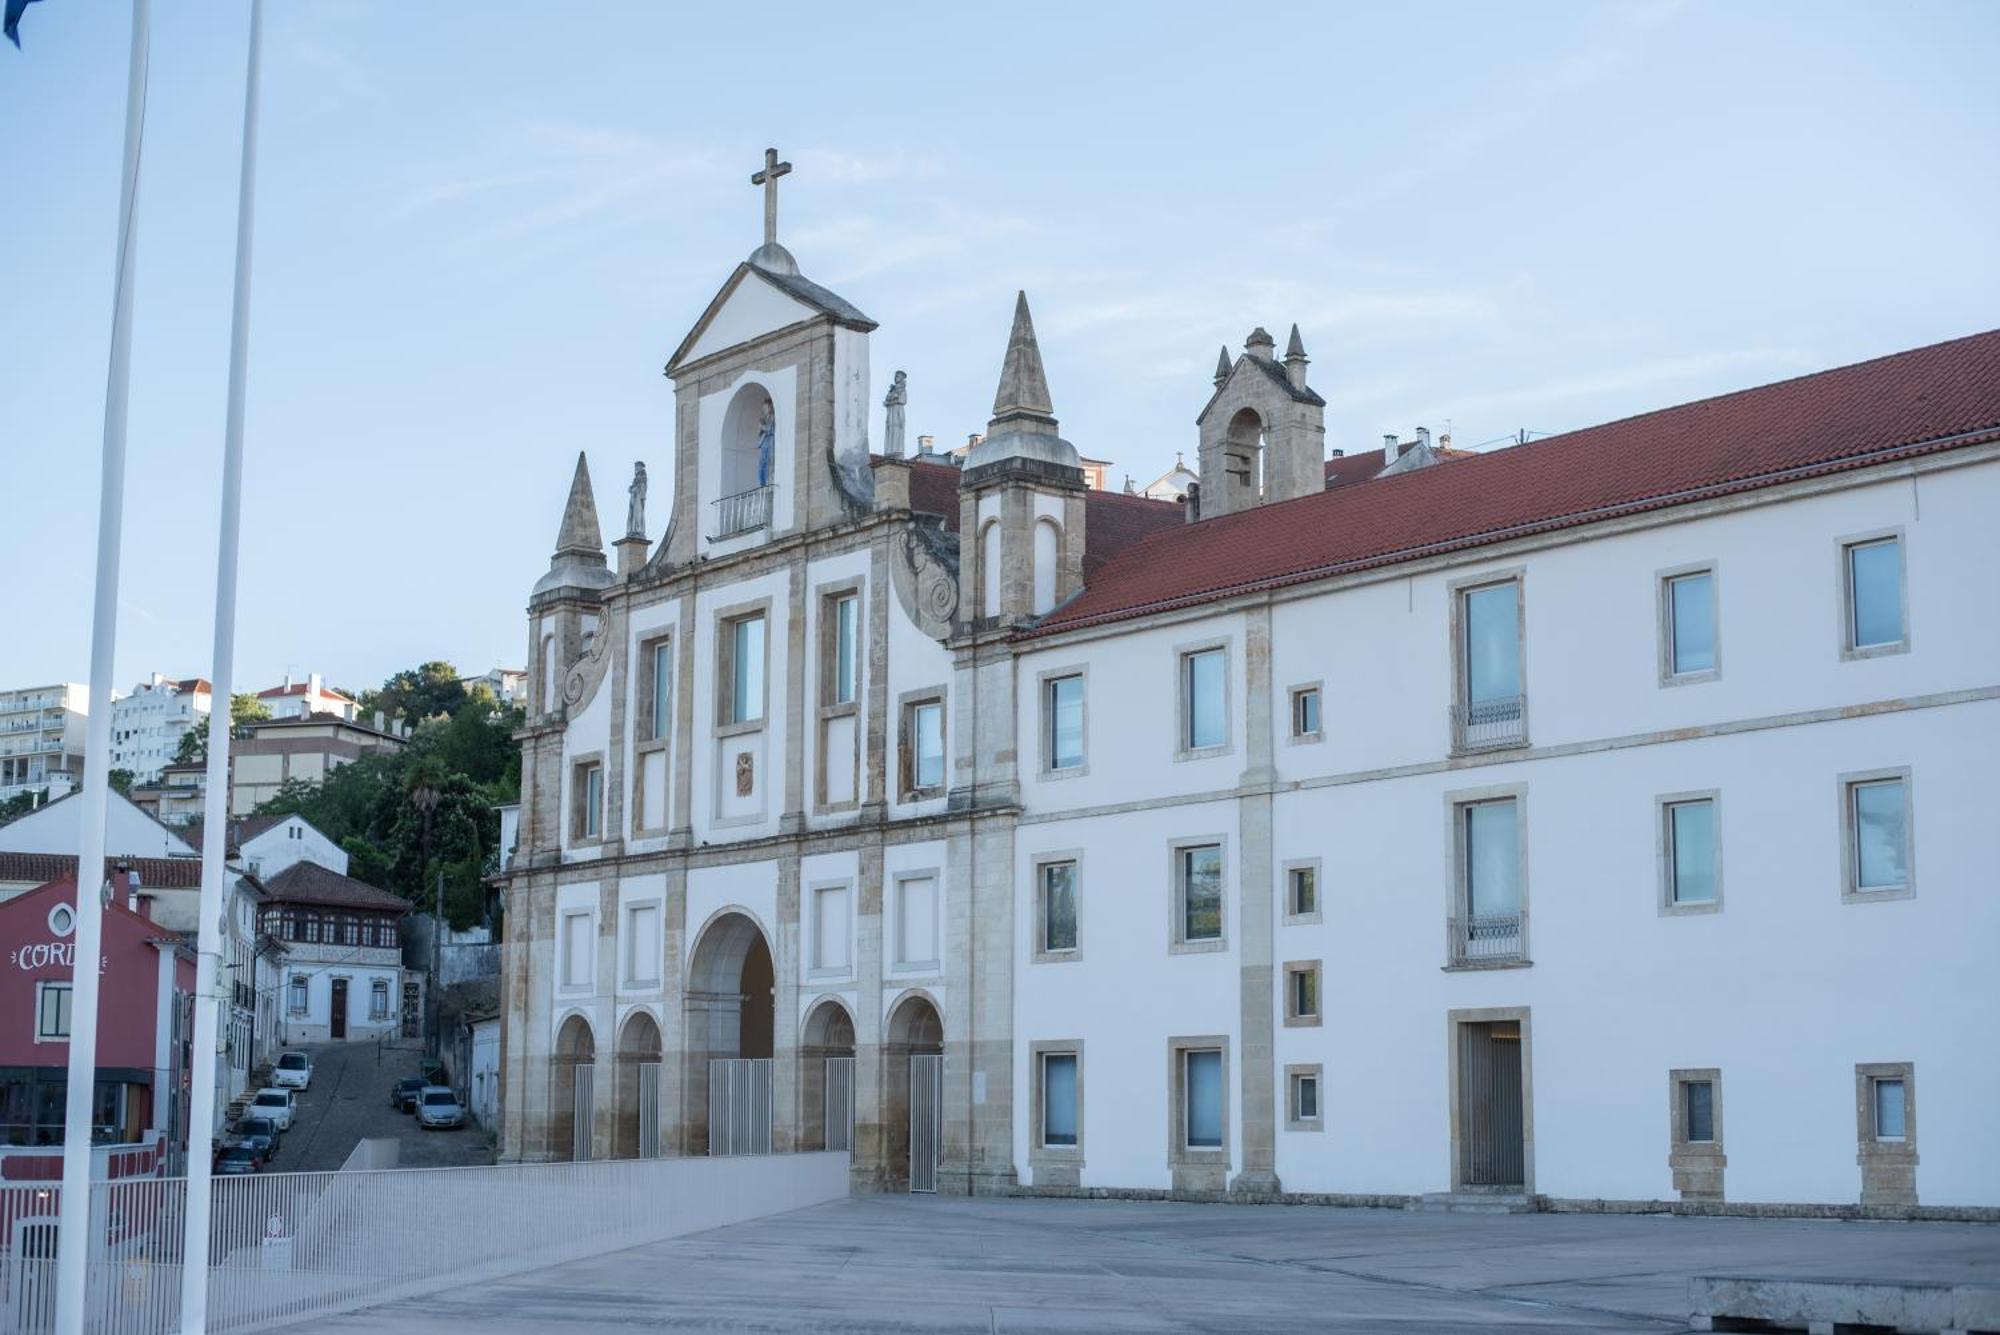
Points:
x=924 y=1264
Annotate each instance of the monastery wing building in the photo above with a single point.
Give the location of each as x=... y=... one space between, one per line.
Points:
x=1602 y=820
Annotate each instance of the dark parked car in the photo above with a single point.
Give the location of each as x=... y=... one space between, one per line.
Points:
x=238 y=1159
x=403 y=1094
x=257 y=1133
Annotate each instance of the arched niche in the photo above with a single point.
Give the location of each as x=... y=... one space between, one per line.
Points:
x=826 y=1047
x=638 y=1065
x=914 y=1028
x=730 y=1000
x=1243 y=453
x=989 y=568
x=745 y=464
x=1048 y=563
x=571 y=1068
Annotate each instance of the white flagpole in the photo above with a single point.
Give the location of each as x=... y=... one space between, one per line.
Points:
x=73 y=1239
x=215 y=809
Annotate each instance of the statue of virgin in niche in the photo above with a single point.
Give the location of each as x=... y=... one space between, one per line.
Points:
x=767 y=439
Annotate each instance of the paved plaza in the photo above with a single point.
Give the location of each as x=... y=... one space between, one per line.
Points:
x=894 y=1264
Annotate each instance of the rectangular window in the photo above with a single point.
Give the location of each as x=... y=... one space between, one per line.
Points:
x=830 y=928
x=1691 y=852
x=1205 y=722
x=1202 y=1098
x=660 y=661
x=1492 y=859
x=378 y=1000
x=590 y=799
x=311 y=927
x=1874 y=594
x=1891 y=1109
x=297 y=1000
x=1302 y=993
x=1878 y=819
x=1058 y=906
x=1201 y=893
x=1691 y=623
x=52 y=1010
x=916 y=921
x=1059 y=1101
x=743 y=670
x=1302 y=892
x=1698 y=1111
x=1492 y=643
x=843 y=648
x=923 y=747
x=1305 y=712
x=642 y=943
x=1305 y=1098
x=576 y=950
x=1064 y=711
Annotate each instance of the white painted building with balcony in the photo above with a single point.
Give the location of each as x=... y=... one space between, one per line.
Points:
x=148 y=723
x=1545 y=824
x=41 y=739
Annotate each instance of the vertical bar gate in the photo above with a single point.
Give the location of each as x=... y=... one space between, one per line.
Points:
x=1491 y=1148
x=839 y=1110
x=739 y=1105
x=579 y=1132
x=649 y=1110
x=926 y=1114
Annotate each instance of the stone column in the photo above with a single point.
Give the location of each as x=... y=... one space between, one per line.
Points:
x=673 y=1013
x=870 y=1146
x=681 y=834
x=785 y=962
x=1256 y=1054
x=876 y=731
x=793 y=821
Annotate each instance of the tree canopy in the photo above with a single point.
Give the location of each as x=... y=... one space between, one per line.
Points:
x=460 y=763
x=429 y=690
x=244 y=709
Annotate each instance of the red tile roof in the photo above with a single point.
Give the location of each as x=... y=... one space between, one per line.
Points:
x=1918 y=402
x=934 y=490
x=1113 y=520
x=301 y=688
x=310 y=883
x=154 y=873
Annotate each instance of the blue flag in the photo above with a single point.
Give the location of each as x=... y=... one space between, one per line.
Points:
x=13 y=28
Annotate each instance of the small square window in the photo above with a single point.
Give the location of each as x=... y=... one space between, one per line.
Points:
x=1302 y=993
x=1305 y=1098
x=1305 y=713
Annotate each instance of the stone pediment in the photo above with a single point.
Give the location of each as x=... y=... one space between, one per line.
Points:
x=755 y=303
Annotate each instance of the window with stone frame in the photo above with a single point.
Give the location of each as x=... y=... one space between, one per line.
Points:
x=1690 y=853
x=1056 y=908
x=921 y=750
x=587 y=800
x=1302 y=1000
x=1307 y=725
x=1202 y=1099
x=1875 y=618
x=1875 y=829
x=741 y=651
x=1198 y=906
x=840 y=647
x=1695 y=1139
x=1302 y=891
x=1059 y=1121
x=1303 y=1091
x=1062 y=727
x=1885 y=1097
x=296 y=995
x=1689 y=649
x=656 y=689
x=1491 y=706
x=1204 y=700
x=1489 y=922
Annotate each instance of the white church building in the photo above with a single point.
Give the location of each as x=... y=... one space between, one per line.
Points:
x=1603 y=822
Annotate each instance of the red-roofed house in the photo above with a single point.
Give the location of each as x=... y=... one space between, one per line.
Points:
x=301 y=699
x=1380 y=826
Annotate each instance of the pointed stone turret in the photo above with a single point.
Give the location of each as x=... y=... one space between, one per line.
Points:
x=1223 y=367
x=1295 y=359
x=579 y=556
x=1023 y=396
x=580 y=533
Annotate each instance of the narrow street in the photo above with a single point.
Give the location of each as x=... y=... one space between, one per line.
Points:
x=349 y=1102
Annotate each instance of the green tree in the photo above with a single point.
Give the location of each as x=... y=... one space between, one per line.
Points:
x=244 y=709
x=121 y=781
x=20 y=804
x=422 y=692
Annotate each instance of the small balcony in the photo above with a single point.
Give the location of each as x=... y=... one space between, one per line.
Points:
x=745 y=512
x=1486 y=940
x=1490 y=725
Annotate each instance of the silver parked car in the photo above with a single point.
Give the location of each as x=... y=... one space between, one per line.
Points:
x=438 y=1106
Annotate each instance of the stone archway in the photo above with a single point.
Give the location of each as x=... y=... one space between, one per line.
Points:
x=731 y=1014
x=914 y=1030
x=1243 y=455
x=636 y=1131
x=826 y=1078
x=572 y=1090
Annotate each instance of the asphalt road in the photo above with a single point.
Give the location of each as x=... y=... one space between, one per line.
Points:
x=349 y=1102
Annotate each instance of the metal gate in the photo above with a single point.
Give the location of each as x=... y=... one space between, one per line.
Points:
x=585 y=1103
x=839 y=1111
x=926 y=1100
x=739 y=1105
x=31 y=1277
x=649 y=1110
x=1490 y=1152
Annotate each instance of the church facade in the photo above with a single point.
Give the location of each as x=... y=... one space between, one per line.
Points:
x=1542 y=824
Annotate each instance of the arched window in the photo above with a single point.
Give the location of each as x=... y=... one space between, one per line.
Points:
x=1048 y=559
x=548 y=673
x=989 y=568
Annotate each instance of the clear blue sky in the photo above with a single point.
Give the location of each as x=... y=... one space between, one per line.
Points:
x=482 y=229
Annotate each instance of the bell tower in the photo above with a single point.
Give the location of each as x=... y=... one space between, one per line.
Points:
x=1263 y=433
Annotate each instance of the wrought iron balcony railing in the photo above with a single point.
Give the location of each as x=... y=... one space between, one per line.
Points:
x=745 y=512
x=1486 y=938
x=1485 y=725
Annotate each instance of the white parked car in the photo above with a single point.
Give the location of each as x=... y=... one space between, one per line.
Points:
x=295 y=1071
x=438 y=1106
x=276 y=1104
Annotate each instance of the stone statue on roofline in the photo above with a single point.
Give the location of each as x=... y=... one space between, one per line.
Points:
x=635 y=509
x=892 y=425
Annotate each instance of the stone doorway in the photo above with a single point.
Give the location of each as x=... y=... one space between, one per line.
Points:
x=637 y=1132
x=572 y=1090
x=731 y=1016
x=915 y=1030
x=826 y=1079
x=1491 y=1136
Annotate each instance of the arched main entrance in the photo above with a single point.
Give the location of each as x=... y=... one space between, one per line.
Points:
x=637 y=1133
x=731 y=1017
x=572 y=1092
x=912 y=1076
x=826 y=1078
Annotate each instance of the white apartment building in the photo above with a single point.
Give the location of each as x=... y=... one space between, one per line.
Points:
x=1598 y=823
x=42 y=738
x=147 y=725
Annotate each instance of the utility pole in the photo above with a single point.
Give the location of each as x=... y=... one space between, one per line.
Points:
x=437 y=973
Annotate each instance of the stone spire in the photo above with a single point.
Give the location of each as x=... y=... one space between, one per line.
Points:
x=1022 y=401
x=1295 y=360
x=1223 y=367
x=1260 y=343
x=579 y=534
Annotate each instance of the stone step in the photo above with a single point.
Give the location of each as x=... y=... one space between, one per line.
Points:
x=1476 y=1202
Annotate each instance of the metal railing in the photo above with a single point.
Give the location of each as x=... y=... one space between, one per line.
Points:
x=1487 y=938
x=1484 y=725
x=745 y=512
x=739 y=1105
x=838 y=1123
x=290 y=1246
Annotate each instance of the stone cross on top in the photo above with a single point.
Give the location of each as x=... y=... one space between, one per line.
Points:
x=768 y=178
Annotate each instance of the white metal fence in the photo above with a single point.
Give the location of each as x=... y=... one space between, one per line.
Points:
x=287 y=1246
x=926 y=1113
x=838 y=1126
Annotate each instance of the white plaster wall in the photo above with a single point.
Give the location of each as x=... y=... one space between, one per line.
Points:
x=917 y=860
x=316 y=1023
x=589 y=732
x=277 y=848
x=648 y=888
x=585 y=999
x=916 y=662
x=745 y=887
x=770 y=776
x=840 y=869
x=754 y=309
